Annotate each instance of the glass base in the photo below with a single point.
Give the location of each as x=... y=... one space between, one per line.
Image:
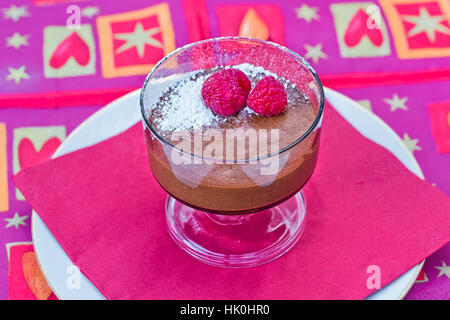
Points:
x=237 y=241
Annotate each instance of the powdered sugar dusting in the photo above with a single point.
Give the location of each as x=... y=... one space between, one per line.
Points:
x=184 y=108
x=181 y=106
x=259 y=72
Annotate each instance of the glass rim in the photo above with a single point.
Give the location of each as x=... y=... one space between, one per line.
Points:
x=305 y=63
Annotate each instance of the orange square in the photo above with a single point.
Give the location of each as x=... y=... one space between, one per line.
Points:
x=131 y=43
x=410 y=41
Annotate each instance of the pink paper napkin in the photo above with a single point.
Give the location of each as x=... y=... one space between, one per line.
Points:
x=365 y=210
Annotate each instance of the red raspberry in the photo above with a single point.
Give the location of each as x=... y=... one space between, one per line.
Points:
x=268 y=97
x=225 y=91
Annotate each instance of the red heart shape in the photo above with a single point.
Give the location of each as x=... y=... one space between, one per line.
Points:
x=357 y=28
x=73 y=46
x=28 y=156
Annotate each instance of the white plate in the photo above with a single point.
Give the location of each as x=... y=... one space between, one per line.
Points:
x=124 y=113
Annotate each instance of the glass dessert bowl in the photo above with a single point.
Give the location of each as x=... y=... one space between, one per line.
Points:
x=233 y=181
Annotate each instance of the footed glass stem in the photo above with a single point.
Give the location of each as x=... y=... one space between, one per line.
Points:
x=237 y=241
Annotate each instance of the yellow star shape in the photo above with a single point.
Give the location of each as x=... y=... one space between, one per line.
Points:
x=16 y=221
x=17 y=74
x=315 y=52
x=307 y=13
x=443 y=270
x=397 y=103
x=17 y=40
x=15 y=13
x=138 y=39
x=424 y=22
x=411 y=144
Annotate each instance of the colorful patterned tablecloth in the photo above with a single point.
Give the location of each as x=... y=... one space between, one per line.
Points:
x=62 y=60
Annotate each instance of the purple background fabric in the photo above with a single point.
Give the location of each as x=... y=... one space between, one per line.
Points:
x=298 y=32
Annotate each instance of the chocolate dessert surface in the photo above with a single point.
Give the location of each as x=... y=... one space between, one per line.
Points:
x=229 y=164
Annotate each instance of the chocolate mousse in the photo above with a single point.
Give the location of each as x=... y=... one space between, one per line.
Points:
x=191 y=157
